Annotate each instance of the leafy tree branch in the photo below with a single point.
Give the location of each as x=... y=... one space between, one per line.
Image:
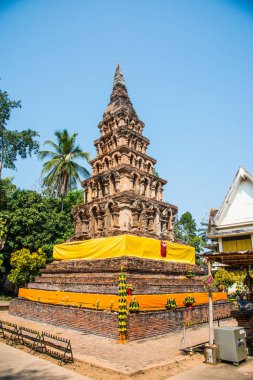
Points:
x=13 y=144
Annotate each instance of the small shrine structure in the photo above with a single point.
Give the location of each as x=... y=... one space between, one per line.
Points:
x=122 y=274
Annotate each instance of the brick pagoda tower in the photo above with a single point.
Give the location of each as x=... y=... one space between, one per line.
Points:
x=124 y=195
x=82 y=288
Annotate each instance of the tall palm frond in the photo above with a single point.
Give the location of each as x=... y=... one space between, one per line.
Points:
x=61 y=172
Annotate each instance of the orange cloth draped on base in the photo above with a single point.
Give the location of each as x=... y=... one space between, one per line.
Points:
x=110 y=301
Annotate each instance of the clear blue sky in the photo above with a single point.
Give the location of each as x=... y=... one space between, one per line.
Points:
x=188 y=66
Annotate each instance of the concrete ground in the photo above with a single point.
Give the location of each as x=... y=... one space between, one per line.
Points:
x=220 y=372
x=106 y=353
x=18 y=365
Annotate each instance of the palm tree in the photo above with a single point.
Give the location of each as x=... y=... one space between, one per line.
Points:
x=62 y=172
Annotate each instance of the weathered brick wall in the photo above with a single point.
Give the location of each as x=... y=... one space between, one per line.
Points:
x=101 y=276
x=163 y=322
x=108 y=283
x=113 y=289
x=130 y=264
x=105 y=323
x=88 y=321
x=245 y=319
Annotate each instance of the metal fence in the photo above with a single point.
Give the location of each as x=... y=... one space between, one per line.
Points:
x=57 y=347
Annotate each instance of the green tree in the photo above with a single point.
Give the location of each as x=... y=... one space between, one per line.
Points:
x=186 y=231
x=2 y=269
x=203 y=229
x=6 y=190
x=13 y=143
x=224 y=278
x=3 y=231
x=62 y=171
x=74 y=197
x=34 y=221
x=26 y=266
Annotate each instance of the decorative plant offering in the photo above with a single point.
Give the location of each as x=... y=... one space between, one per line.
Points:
x=189 y=301
x=122 y=312
x=190 y=274
x=134 y=306
x=171 y=303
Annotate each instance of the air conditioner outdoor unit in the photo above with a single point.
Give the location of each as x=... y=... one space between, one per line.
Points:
x=231 y=342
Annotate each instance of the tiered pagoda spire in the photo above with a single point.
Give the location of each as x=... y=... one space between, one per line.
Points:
x=123 y=194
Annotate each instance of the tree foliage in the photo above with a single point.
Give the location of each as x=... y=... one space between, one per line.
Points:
x=224 y=278
x=34 y=221
x=13 y=143
x=3 y=230
x=62 y=171
x=186 y=231
x=203 y=229
x=26 y=266
x=2 y=269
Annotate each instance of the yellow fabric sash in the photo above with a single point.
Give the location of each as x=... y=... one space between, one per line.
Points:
x=123 y=245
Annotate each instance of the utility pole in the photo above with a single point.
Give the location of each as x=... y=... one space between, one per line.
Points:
x=210 y=313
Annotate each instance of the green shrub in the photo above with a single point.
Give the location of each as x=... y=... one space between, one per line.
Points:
x=26 y=266
x=223 y=278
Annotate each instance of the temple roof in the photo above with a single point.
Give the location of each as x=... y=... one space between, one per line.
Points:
x=235 y=216
x=233 y=259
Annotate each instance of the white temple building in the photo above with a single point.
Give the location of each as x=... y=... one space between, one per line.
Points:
x=231 y=226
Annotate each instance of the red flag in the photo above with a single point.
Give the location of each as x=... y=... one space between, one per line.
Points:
x=163 y=249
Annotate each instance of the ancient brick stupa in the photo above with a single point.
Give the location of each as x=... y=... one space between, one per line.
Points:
x=123 y=243
x=124 y=195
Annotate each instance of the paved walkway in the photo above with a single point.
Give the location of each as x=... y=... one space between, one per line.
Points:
x=220 y=372
x=19 y=365
x=4 y=305
x=106 y=353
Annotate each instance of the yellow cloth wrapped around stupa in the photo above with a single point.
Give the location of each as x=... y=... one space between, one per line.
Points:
x=123 y=245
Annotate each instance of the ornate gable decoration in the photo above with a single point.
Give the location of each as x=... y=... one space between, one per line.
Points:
x=237 y=207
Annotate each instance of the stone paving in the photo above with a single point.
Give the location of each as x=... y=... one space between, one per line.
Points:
x=223 y=371
x=4 y=305
x=18 y=365
x=128 y=358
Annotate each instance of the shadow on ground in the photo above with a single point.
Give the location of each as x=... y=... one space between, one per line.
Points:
x=30 y=374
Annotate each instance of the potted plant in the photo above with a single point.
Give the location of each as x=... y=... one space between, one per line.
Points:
x=189 y=301
x=134 y=306
x=190 y=274
x=130 y=289
x=171 y=303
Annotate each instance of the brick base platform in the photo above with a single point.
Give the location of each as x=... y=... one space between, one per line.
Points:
x=105 y=323
x=245 y=319
x=101 y=276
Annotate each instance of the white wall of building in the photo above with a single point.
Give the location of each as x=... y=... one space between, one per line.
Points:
x=240 y=209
